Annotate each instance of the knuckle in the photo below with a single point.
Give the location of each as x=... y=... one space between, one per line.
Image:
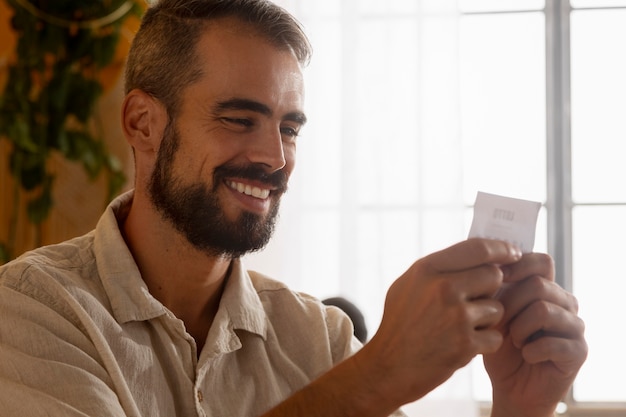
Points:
x=573 y=302
x=495 y=273
x=423 y=266
x=545 y=260
x=482 y=249
x=537 y=285
x=448 y=291
x=543 y=309
x=581 y=326
x=548 y=261
x=464 y=318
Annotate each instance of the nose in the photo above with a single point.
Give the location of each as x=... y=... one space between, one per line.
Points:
x=268 y=150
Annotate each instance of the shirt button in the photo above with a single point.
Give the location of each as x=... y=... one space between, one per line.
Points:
x=200 y=397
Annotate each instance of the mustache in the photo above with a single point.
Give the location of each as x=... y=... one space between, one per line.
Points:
x=256 y=172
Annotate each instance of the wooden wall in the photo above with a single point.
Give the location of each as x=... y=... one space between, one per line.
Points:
x=78 y=201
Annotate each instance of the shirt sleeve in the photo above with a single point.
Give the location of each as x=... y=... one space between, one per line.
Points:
x=48 y=365
x=341 y=332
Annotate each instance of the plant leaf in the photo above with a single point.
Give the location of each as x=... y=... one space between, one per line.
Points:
x=5 y=256
x=39 y=208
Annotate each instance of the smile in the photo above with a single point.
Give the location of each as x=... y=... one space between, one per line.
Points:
x=247 y=189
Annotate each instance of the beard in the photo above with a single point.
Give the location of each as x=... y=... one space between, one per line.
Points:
x=196 y=212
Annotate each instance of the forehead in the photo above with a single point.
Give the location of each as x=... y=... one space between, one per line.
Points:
x=236 y=61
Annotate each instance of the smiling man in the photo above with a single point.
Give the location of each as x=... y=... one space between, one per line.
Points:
x=154 y=314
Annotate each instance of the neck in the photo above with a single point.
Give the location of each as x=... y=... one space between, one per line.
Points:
x=187 y=281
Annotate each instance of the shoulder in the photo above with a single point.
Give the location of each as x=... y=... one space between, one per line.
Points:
x=275 y=294
x=298 y=312
x=271 y=290
x=45 y=272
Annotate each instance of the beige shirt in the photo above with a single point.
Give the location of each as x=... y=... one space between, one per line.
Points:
x=80 y=335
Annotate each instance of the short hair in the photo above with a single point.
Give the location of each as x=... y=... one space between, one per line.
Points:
x=163 y=60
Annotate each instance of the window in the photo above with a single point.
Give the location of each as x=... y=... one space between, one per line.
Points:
x=598 y=149
x=415 y=105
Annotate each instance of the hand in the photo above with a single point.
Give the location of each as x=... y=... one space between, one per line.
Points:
x=438 y=315
x=543 y=346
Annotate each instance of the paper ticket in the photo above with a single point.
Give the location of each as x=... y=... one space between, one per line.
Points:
x=504 y=218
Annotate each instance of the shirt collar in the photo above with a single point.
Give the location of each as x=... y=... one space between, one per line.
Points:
x=241 y=303
x=240 y=306
x=128 y=293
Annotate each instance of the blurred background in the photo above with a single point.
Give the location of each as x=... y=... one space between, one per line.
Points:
x=414 y=106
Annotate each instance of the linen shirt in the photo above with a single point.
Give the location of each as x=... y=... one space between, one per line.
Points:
x=81 y=335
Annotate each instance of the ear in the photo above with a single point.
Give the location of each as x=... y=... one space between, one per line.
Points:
x=143 y=121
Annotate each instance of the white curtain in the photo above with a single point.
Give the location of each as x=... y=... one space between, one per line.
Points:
x=378 y=181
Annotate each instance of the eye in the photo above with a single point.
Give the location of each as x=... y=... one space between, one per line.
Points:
x=289 y=131
x=238 y=121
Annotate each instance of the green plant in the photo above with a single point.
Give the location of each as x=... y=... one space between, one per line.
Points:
x=48 y=102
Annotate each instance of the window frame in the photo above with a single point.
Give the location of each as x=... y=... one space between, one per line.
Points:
x=559 y=200
x=559 y=203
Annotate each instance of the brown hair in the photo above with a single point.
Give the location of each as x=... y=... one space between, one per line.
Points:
x=162 y=60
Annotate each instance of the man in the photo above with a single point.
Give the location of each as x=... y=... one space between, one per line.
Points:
x=153 y=313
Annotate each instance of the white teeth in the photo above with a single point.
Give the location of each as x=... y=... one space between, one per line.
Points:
x=259 y=193
x=249 y=190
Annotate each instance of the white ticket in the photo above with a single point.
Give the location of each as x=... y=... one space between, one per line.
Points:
x=504 y=218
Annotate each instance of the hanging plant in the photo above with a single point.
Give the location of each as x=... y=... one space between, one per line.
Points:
x=48 y=100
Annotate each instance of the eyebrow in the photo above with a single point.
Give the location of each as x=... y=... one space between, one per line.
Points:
x=255 y=106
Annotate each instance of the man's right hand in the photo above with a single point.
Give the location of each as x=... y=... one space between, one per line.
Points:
x=438 y=315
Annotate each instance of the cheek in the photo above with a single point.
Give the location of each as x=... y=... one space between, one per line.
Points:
x=191 y=167
x=199 y=159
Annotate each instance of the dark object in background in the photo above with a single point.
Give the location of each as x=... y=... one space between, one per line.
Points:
x=360 y=329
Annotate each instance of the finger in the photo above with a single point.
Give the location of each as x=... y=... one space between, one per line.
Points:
x=566 y=354
x=543 y=319
x=478 y=334
x=530 y=264
x=517 y=296
x=479 y=282
x=485 y=313
x=472 y=253
x=488 y=341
